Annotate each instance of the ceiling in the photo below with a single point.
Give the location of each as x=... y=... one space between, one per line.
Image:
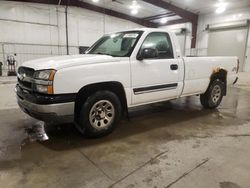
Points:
x=149 y=10
x=123 y=6
x=207 y=6
x=146 y=11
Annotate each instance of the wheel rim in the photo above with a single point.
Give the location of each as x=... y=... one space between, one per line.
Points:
x=216 y=94
x=102 y=114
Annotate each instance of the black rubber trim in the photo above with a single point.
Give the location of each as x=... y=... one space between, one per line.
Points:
x=44 y=99
x=156 y=88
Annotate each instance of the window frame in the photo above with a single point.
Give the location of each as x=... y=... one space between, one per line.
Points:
x=170 y=43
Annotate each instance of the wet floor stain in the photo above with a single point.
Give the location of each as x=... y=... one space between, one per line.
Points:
x=36 y=132
x=173 y=115
x=175 y=120
x=31 y=146
x=228 y=185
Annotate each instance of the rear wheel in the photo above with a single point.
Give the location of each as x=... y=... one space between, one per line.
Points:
x=99 y=114
x=214 y=94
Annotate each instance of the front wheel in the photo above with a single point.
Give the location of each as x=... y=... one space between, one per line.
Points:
x=99 y=114
x=214 y=94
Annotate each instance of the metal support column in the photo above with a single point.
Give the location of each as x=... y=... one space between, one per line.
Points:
x=66 y=25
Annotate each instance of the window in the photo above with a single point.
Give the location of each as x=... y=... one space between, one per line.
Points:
x=161 y=43
x=117 y=44
x=82 y=49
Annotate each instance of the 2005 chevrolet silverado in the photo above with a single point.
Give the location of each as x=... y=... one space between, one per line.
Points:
x=120 y=71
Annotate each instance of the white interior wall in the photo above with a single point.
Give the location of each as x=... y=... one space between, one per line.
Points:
x=188 y=27
x=202 y=34
x=204 y=20
x=38 y=30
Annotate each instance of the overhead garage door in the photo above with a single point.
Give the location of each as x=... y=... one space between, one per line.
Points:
x=230 y=42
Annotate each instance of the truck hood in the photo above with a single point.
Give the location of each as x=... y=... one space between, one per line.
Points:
x=59 y=62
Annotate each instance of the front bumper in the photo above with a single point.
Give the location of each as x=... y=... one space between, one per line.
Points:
x=47 y=110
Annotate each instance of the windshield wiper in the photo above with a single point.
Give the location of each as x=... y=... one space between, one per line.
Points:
x=101 y=53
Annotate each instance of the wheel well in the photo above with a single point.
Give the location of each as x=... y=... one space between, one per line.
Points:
x=86 y=91
x=220 y=74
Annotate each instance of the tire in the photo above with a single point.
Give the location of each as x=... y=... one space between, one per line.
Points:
x=99 y=114
x=214 y=94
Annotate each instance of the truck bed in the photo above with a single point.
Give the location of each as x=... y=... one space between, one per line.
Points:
x=198 y=70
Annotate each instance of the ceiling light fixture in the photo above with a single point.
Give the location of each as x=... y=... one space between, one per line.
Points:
x=220 y=10
x=95 y=1
x=237 y=16
x=221 y=7
x=134 y=11
x=164 y=20
x=134 y=7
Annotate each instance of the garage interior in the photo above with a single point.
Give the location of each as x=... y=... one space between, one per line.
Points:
x=170 y=144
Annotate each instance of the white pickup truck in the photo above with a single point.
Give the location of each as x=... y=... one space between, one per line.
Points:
x=120 y=71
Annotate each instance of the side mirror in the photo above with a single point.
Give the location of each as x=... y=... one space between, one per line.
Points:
x=147 y=53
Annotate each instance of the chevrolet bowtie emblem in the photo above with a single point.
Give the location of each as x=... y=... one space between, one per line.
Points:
x=21 y=76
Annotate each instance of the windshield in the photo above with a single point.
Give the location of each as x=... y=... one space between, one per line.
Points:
x=117 y=44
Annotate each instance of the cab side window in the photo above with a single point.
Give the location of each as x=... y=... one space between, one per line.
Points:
x=161 y=43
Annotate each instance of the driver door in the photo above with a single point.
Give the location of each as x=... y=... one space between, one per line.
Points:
x=156 y=78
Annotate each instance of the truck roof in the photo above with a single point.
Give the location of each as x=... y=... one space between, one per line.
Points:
x=145 y=29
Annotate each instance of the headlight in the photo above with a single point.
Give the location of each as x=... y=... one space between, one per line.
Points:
x=45 y=74
x=43 y=81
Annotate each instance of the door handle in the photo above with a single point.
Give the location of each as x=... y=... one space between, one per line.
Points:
x=174 y=67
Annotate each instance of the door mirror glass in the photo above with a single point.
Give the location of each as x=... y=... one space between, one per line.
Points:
x=147 y=53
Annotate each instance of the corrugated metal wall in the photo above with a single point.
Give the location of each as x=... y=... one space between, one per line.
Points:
x=34 y=31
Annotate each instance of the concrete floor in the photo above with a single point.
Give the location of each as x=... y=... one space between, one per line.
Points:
x=174 y=144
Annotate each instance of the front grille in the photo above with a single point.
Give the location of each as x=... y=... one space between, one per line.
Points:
x=25 y=85
x=24 y=72
x=28 y=71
